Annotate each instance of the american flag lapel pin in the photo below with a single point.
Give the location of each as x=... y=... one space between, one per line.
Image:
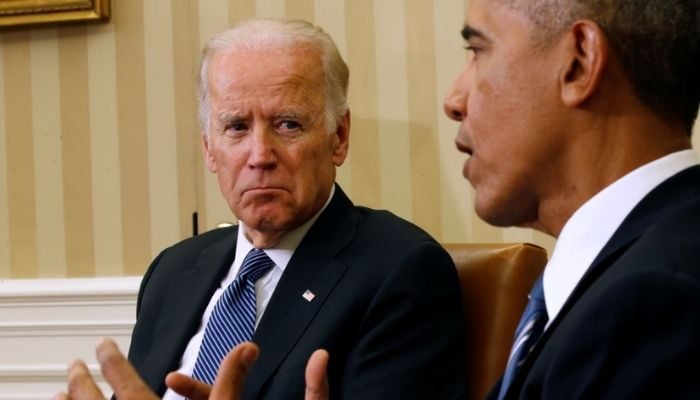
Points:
x=308 y=295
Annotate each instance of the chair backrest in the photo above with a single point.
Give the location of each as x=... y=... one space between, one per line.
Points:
x=496 y=279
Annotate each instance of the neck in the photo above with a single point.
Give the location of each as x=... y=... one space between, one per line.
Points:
x=263 y=240
x=607 y=150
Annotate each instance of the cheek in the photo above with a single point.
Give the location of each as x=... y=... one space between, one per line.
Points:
x=228 y=169
x=499 y=112
x=312 y=157
x=488 y=102
x=486 y=121
x=312 y=171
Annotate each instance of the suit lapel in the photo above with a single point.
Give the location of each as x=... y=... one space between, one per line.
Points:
x=671 y=195
x=313 y=267
x=185 y=301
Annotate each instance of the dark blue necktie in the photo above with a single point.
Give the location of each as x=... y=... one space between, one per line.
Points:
x=233 y=319
x=529 y=329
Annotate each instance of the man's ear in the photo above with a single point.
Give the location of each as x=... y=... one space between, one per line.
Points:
x=207 y=154
x=587 y=51
x=341 y=142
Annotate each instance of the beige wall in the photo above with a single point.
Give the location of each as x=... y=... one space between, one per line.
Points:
x=99 y=156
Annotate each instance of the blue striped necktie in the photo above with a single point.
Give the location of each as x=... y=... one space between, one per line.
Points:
x=233 y=319
x=529 y=329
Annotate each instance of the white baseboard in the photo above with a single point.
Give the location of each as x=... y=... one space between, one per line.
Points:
x=46 y=323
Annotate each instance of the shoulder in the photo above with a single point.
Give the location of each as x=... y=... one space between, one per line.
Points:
x=391 y=228
x=194 y=245
x=386 y=246
x=651 y=293
x=631 y=333
x=671 y=244
x=397 y=241
x=639 y=318
x=660 y=266
x=186 y=252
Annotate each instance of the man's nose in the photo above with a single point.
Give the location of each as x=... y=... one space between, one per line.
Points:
x=455 y=104
x=263 y=153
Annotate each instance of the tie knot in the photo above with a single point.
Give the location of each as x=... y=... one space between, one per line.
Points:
x=255 y=265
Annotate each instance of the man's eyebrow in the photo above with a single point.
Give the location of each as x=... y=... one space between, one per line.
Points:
x=469 y=32
x=227 y=118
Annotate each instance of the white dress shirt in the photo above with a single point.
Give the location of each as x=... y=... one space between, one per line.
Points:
x=588 y=230
x=264 y=287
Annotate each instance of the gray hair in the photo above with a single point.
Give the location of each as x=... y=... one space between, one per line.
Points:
x=276 y=33
x=658 y=42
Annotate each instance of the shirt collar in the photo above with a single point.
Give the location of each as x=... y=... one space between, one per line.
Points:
x=580 y=240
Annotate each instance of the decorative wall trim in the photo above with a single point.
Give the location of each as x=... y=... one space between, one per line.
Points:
x=65 y=328
x=46 y=323
x=40 y=373
x=19 y=291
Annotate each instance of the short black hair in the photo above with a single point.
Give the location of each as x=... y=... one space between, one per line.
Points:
x=657 y=41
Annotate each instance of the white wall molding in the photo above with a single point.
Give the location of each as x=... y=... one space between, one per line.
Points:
x=46 y=323
x=103 y=289
x=43 y=373
x=66 y=328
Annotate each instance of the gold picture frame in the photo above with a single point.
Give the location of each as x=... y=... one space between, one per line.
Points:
x=28 y=12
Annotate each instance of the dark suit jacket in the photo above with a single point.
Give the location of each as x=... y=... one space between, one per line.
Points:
x=631 y=328
x=387 y=308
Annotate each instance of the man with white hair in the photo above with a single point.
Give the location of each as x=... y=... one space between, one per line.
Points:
x=316 y=271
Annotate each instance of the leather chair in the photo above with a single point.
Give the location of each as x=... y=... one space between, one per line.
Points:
x=496 y=279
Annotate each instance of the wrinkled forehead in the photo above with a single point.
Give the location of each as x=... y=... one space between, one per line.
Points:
x=298 y=66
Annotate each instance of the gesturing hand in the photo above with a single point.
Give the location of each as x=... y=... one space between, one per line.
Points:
x=118 y=372
x=128 y=385
x=233 y=370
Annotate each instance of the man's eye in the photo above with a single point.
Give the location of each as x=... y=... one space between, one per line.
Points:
x=472 y=52
x=236 y=128
x=287 y=126
x=472 y=49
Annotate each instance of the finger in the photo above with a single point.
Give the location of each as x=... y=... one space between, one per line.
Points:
x=187 y=386
x=81 y=386
x=316 y=376
x=233 y=371
x=123 y=378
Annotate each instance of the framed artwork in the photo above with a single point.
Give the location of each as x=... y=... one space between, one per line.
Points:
x=28 y=12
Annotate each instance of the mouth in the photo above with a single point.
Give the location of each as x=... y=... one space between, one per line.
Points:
x=264 y=191
x=465 y=169
x=464 y=148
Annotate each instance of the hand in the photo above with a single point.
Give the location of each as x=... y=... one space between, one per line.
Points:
x=127 y=384
x=234 y=368
x=229 y=380
x=118 y=372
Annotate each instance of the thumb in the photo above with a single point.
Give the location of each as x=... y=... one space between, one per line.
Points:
x=233 y=371
x=317 y=376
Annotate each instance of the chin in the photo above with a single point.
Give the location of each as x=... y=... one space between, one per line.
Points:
x=272 y=221
x=498 y=214
x=263 y=223
x=493 y=219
